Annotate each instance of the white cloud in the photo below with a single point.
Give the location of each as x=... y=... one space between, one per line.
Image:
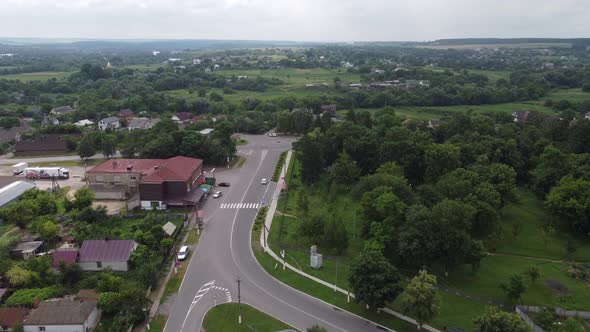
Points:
x=324 y=20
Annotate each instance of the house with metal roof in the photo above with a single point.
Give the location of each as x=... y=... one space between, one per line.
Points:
x=160 y=183
x=109 y=123
x=27 y=250
x=97 y=255
x=13 y=191
x=63 y=315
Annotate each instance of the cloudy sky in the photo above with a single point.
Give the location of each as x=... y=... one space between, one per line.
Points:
x=303 y=20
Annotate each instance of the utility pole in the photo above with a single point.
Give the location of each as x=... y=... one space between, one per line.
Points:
x=239 y=302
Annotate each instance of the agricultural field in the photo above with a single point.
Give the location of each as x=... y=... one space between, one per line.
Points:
x=297 y=77
x=571 y=95
x=38 y=76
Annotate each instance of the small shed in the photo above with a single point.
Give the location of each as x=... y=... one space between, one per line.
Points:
x=169 y=228
x=26 y=250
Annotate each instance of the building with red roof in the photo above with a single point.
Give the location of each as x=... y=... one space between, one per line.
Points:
x=125 y=115
x=69 y=257
x=159 y=182
x=11 y=316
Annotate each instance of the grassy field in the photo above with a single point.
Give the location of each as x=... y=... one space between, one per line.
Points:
x=297 y=77
x=224 y=318
x=533 y=237
x=571 y=95
x=157 y=324
x=38 y=76
x=522 y=45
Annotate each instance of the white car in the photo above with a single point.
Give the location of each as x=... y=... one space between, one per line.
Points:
x=272 y=134
x=182 y=253
x=217 y=194
x=264 y=181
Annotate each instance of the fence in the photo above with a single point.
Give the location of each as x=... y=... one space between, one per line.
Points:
x=558 y=311
x=528 y=320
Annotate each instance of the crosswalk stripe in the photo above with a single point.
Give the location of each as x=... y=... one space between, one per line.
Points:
x=250 y=206
x=256 y=206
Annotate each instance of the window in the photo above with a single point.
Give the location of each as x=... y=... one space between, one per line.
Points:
x=41 y=328
x=155 y=205
x=117 y=178
x=99 y=178
x=99 y=264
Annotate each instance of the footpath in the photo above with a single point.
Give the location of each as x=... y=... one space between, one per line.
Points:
x=264 y=243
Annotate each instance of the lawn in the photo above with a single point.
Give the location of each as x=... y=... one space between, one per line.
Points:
x=157 y=324
x=297 y=77
x=533 y=237
x=572 y=95
x=224 y=318
x=38 y=76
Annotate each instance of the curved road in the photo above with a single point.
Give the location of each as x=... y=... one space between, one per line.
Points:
x=224 y=254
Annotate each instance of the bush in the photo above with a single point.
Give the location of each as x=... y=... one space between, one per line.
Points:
x=26 y=296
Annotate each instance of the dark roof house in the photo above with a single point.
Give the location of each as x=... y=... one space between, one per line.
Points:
x=63 y=110
x=182 y=117
x=331 y=109
x=520 y=116
x=96 y=255
x=46 y=144
x=62 y=314
x=9 y=135
x=69 y=257
x=11 y=316
x=125 y=114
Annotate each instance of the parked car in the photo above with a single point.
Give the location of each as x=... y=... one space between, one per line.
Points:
x=182 y=253
x=217 y=194
x=272 y=134
x=223 y=184
x=264 y=181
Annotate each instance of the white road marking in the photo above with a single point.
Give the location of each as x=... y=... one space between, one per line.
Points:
x=240 y=206
x=202 y=291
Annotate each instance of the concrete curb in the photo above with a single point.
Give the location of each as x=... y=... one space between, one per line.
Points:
x=264 y=239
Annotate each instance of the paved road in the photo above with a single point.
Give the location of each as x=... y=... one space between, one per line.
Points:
x=5 y=159
x=224 y=254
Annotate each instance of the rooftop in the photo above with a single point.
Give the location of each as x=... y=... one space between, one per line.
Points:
x=60 y=312
x=153 y=170
x=12 y=191
x=111 y=119
x=10 y=316
x=67 y=256
x=106 y=250
x=27 y=246
x=125 y=112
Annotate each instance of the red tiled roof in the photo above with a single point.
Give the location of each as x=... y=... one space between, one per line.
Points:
x=184 y=116
x=152 y=170
x=10 y=316
x=125 y=112
x=67 y=256
x=106 y=250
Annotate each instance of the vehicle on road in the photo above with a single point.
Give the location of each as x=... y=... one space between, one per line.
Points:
x=44 y=173
x=182 y=253
x=223 y=184
x=19 y=168
x=217 y=194
x=272 y=134
x=264 y=181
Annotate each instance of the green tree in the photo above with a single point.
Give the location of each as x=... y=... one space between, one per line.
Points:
x=571 y=325
x=312 y=227
x=20 y=277
x=496 y=320
x=109 y=145
x=83 y=198
x=86 y=147
x=441 y=159
x=514 y=288
x=374 y=280
x=303 y=202
x=22 y=213
x=309 y=152
x=420 y=298
x=569 y=201
x=284 y=122
x=345 y=169
x=335 y=235
x=534 y=273
x=48 y=230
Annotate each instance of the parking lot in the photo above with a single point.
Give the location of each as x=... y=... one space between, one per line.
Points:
x=75 y=181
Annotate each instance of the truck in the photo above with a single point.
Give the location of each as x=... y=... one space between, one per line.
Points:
x=43 y=173
x=19 y=168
